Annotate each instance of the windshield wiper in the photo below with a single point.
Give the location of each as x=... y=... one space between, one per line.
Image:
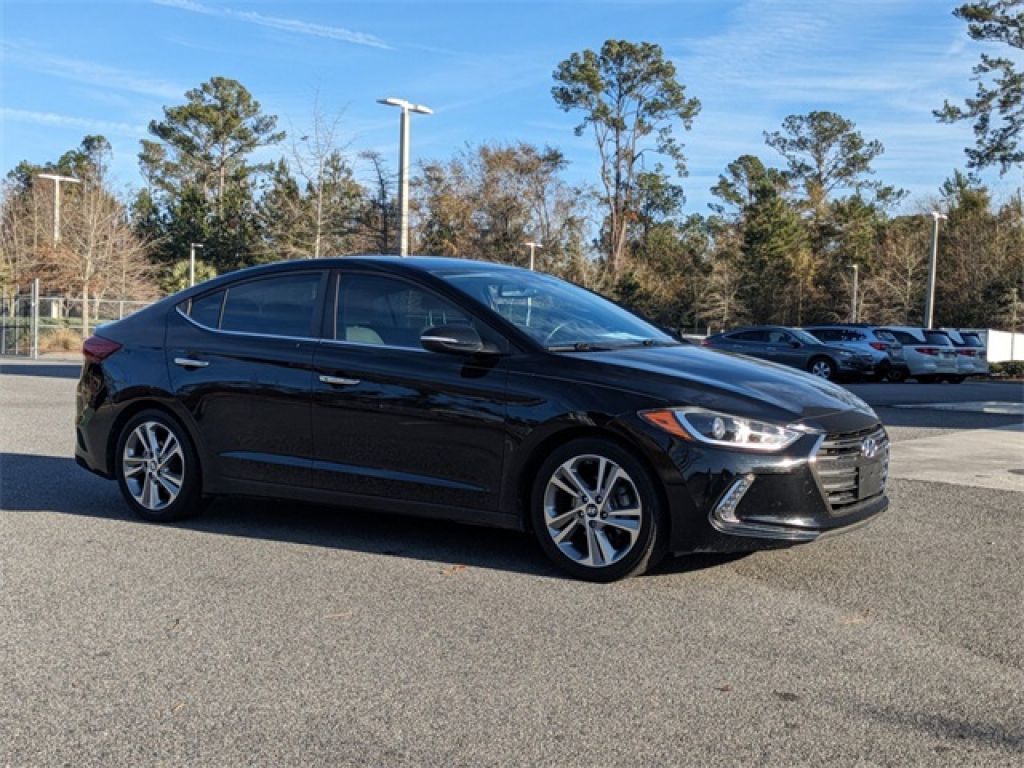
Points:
x=579 y=346
x=653 y=343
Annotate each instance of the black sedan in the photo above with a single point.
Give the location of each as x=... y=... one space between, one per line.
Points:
x=475 y=392
x=793 y=347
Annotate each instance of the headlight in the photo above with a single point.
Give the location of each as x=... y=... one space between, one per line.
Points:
x=722 y=429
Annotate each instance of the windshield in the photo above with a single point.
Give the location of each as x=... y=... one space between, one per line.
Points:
x=804 y=336
x=556 y=314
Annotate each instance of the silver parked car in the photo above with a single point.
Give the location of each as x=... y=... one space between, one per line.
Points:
x=971 y=355
x=885 y=351
x=929 y=353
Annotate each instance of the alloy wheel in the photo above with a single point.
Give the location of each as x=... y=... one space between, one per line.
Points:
x=822 y=368
x=592 y=510
x=153 y=465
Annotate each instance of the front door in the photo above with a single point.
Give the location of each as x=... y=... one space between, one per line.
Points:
x=391 y=419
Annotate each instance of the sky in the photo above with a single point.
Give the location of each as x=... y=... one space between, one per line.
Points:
x=68 y=69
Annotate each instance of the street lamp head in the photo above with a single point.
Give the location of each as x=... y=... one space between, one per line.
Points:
x=937 y=216
x=391 y=101
x=57 y=177
x=196 y=245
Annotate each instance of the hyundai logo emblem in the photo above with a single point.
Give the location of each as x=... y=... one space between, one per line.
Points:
x=869 y=448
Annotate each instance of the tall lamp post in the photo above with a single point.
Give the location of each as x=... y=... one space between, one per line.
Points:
x=56 y=179
x=929 y=299
x=856 y=285
x=192 y=263
x=403 y=166
x=533 y=247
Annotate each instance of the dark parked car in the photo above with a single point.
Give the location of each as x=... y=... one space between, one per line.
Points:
x=793 y=347
x=884 y=349
x=476 y=392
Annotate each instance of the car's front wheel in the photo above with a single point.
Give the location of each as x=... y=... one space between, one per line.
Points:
x=596 y=511
x=823 y=367
x=157 y=468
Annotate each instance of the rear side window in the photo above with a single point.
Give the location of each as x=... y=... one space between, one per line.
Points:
x=749 y=336
x=825 y=334
x=886 y=336
x=206 y=309
x=934 y=337
x=274 y=306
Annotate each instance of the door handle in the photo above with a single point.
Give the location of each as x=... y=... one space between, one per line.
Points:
x=337 y=381
x=188 y=362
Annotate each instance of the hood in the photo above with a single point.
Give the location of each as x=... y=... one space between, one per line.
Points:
x=724 y=381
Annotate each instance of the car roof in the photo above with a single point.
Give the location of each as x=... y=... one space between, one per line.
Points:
x=420 y=263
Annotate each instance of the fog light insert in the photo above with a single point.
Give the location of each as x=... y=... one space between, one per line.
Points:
x=726 y=507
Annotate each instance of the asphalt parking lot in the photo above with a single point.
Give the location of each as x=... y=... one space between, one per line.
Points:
x=275 y=634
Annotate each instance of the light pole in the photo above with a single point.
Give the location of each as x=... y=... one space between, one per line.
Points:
x=56 y=199
x=192 y=263
x=853 y=309
x=929 y=299
x=533 y=247
x=403 y=166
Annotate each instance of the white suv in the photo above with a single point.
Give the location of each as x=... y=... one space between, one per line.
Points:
x=929 y=354
x=971 y=357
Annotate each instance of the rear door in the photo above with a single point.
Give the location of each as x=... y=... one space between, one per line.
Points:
x=390 y=418
x=240 y=359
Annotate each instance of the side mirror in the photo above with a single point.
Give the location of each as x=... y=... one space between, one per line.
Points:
x=795 y=344
x=452 y=339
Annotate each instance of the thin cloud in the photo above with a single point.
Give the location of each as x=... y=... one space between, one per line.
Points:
x=278 y=22
x=88 y=72
x=70 y=121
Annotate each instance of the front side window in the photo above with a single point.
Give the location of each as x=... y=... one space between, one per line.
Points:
x=761 y=336
x=273 y=306
x=554 y=313
x=379 y=310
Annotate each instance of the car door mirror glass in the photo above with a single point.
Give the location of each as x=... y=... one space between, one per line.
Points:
x=453 y=339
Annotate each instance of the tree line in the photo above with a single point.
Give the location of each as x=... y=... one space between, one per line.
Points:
x=778 y=245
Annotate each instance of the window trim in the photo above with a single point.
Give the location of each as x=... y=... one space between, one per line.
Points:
x=321 y=301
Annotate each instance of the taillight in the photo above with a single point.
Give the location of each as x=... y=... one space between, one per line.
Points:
x=967 y=352
x=96 y=348
x=928 y=350
x=705 y=343
x=881 y=346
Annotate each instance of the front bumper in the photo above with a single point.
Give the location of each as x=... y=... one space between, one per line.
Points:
x=823 y=485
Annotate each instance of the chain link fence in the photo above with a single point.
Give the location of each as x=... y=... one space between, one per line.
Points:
x=31 y=324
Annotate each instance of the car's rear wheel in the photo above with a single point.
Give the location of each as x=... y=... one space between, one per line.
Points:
x=596 y=511
x=955 y=379
x=823 y=367
x=157 y=468
x=896 y=375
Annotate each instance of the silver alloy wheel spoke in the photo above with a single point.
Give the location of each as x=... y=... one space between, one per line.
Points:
x=581 y=513
x=153 y=465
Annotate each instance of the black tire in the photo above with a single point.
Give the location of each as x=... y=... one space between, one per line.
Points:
x=955 y=379
x=823 y=367
x=650 y=544
x=927 y=379
x=188 y=499
x=896 y=375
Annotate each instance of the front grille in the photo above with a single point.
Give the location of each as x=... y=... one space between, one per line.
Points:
x=845 y=474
